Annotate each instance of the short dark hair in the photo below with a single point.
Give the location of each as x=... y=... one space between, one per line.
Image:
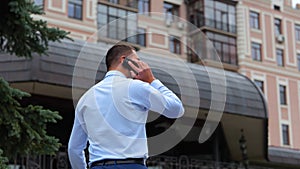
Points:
x=114 y=53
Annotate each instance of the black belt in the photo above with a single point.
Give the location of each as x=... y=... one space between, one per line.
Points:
x=118 y=161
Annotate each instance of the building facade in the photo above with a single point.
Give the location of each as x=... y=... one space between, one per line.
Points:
x=257 y=38
x=268 y=53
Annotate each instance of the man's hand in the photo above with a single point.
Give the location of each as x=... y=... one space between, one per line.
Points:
x=144 y=71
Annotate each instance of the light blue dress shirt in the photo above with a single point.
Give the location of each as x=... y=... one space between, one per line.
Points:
x=112 y=115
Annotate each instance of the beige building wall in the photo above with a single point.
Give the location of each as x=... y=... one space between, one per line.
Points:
x=56 y=15
x=157 y=30
x=157 y=38
x=267 y=70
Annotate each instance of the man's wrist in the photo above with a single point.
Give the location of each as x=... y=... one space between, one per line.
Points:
x=151 y=80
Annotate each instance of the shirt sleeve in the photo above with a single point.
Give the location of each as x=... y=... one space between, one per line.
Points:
x=158 y=98
x=76 y=146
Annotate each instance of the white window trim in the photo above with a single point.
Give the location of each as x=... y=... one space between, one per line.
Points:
x=259 y=19
x=63 y=9
x=156 y=31
x=298 y=98
x=91 y=4
x=176 y=2
x=281 y=47
x=271 y=58
x=289 y=42
x=262 y=77
x=284 y=81
x=290 y=133
x=259 y=41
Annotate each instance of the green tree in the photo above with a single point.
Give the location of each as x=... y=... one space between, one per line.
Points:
x=3 y=161
x=23 y=128
x=20 y=34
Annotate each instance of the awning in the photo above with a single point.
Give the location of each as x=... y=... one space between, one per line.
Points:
x=69 y=64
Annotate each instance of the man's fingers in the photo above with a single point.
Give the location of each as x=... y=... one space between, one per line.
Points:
x=133 y=74
x=133 y=66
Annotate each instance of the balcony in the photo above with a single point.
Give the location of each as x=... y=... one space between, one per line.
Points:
x=127 y=3
x=201 y=21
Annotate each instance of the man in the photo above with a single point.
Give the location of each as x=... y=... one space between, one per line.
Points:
x=112 y=114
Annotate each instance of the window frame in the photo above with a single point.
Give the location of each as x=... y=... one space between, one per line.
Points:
x=285 y=134
x=220 y=15
x=75 y=3
x=176 y=44
x=282 y=95
x=107 y=13
x=254 y=20
x=39 y=3
x=280 y=57
x=298 y=61
x=297 y=32
x=259 y=84
x=224 y=45
x=174 y=11
x=145 y=4
x=277 y=26
x=256 y=47
x=141 y=34
x=113 y=1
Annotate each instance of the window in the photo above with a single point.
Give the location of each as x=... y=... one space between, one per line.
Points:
x=298 y=60
x=75 y=9
x=220 y=15
x=128 y=3
x=39 y=2
x=282 y=91
x=195 y=11
x=285 y=134
x=254 y=20
x=277 y=8
x=175 y=46
x=120 y=27
x=259 y=84
x=141 y=37
x=279 y=55
x=191 y=55
x=297 y=32
x=138 y=38
x=171 y=10
x=277 y=24
x=225 y=46
x=256 y=51
x=114 y=1
x=143 y=6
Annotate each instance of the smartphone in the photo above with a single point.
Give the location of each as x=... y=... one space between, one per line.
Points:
x=127 y=66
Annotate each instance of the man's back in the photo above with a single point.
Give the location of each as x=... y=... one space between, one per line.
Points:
x=113 y=117
x=112 y=114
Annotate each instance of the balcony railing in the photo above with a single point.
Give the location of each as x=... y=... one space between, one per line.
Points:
x=201 y=21
x=128 y=3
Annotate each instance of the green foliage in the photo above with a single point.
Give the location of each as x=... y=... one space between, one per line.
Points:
x=3 y=161
x=23 y=129
x=20 y=34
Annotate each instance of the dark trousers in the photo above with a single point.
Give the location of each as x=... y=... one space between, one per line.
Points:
x=120 y=166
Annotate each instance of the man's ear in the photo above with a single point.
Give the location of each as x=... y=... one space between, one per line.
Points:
x=121 y=59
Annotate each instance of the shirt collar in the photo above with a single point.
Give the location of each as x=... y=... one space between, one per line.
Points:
x=114 y=73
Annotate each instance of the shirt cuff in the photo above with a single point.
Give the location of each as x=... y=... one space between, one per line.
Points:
x=156 y=84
